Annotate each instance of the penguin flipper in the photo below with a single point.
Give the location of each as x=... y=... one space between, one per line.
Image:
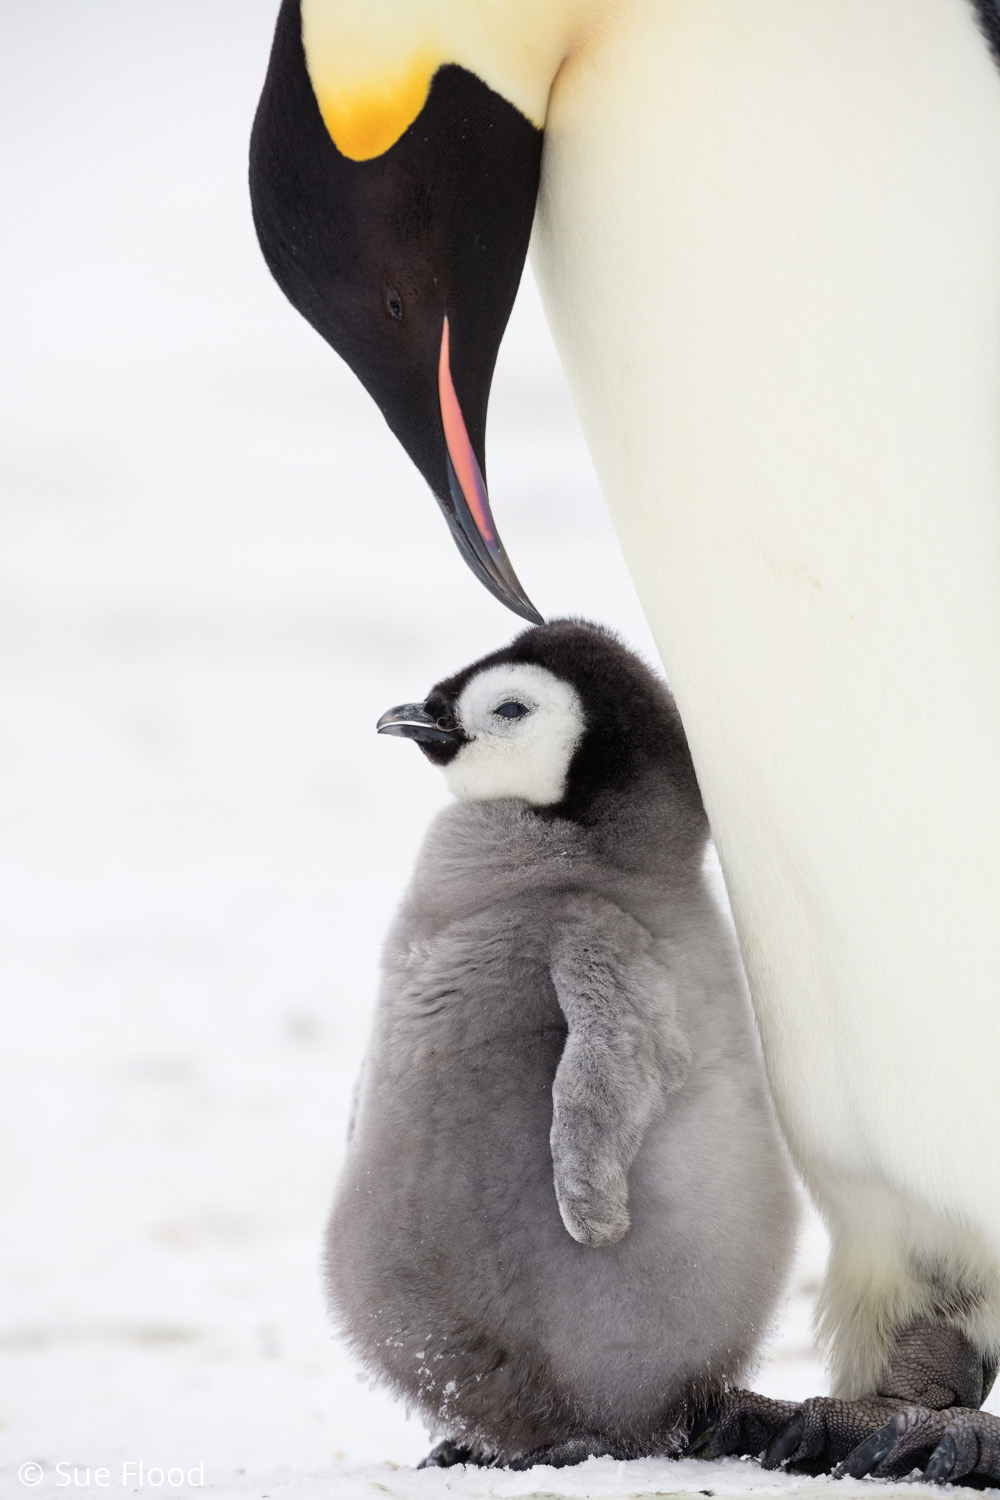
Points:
x=624 y=1053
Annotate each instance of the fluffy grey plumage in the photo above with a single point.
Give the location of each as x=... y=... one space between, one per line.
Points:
x=565 y=1209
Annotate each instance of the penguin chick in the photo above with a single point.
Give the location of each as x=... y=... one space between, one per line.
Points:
x=566 y=1213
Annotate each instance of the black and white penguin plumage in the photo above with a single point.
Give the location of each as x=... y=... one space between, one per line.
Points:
x=566 y=1213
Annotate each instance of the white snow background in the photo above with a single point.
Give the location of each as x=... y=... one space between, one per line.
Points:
x=217 y=569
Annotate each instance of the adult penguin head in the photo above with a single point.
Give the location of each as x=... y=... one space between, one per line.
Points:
x=393 y=184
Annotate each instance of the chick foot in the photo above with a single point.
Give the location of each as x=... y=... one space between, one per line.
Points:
x=567 y=1451
x=447 y=1454
x=557 y=1455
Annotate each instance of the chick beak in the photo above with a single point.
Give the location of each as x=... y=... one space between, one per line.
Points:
x=469 y=514
x=412 y=722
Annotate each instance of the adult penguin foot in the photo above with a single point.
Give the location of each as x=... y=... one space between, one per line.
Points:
x=958 y=1445
x=923 y=1416
x=739 y=1423
x=825 y=1434
x=812 y=1437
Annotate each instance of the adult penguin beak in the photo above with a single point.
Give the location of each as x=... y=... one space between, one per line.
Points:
x=411 y=721
x=469 y=514
x=376 y=249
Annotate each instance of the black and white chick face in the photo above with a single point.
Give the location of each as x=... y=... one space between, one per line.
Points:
x=561 y=718
x=520 y=727
x=510 y=730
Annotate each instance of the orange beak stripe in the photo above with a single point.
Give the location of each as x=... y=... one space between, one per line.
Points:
x=460 y=448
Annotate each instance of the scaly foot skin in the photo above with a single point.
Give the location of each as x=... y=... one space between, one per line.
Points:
x=811 y=1437
x=824 y=1432
x=558 y=1455
x=958 y=1445
x=567 y=1451
x=924 y=1416
x=740 y=1423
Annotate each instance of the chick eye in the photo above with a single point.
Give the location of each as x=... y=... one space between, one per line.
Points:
x=393 y=302
x=512 y=710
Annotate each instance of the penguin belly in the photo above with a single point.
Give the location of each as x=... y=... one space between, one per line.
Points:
x=442 y=1209
x=450 y=1270
x=780 y=315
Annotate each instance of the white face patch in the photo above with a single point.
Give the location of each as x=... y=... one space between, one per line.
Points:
x=523 y=726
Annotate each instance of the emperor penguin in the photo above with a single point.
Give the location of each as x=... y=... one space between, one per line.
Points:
x=767 y=236
x=566 y=1211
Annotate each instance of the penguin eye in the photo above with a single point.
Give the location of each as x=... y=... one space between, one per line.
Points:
x=512 y=710
x=393 y=302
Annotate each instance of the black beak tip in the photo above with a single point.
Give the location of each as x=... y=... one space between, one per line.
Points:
x=527 y=611
x=411 y=721
x=486 y=556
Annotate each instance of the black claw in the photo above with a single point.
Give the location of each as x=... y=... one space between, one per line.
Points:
x=784 y=1443
x=446 y=1455
x=438 y=1458
x=862 y=1459
x=701 y=1433
x=942 y=1461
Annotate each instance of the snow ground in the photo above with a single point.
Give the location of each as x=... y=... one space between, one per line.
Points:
x=217 y=570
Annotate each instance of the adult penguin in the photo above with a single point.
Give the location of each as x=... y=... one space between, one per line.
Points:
x=768 y=239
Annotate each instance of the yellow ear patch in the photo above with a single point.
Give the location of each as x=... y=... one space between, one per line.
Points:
x=371 y=62
x=365 y=120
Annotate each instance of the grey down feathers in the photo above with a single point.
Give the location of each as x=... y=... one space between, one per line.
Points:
x=565 y=1209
